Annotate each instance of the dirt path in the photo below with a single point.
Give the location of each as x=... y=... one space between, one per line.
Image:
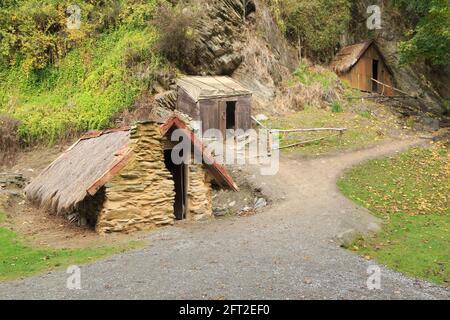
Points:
x=288 y=251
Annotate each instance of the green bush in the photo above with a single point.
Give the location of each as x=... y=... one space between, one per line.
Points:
x=336 y=107
x=35 y=33
x=429 y=39
x=91 y=83
x=314 y=25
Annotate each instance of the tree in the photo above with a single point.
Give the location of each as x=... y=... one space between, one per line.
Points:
x=316 y=25
x=429 y=40
x=177 y=33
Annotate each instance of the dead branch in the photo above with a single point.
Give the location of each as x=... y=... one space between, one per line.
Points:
x=306 y=142
x=310 y=130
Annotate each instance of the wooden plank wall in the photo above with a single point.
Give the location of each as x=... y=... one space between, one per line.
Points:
x=212 y=112
x=209 y=113
x=187 y=105
x=243 y=112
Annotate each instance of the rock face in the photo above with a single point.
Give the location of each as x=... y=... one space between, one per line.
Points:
x=220 y=37
x=246 y=44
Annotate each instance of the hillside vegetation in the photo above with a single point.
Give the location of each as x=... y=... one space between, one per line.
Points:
x=57 y=82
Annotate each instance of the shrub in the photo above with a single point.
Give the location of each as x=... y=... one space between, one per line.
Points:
x=35 y=34
x=9 y=143
x=314 y=25
x=336 y=107
x=177 y=40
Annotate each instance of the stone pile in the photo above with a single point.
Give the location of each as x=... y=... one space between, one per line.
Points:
x=199 y=193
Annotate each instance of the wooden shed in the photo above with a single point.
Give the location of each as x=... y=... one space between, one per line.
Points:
x=360 y=63
x=219 y=102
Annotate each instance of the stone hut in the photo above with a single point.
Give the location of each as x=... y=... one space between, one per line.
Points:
x=124 y=180
x=218 y=102
x=364 y=67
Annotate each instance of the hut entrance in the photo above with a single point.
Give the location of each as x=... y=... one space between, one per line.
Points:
x=375 y=75
x=178 y=172
x=231 y=115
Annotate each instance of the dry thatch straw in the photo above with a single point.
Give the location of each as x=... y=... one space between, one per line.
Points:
x=63 y=185
x=347 y=58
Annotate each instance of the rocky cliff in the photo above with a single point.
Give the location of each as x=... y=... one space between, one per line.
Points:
x=243 y=41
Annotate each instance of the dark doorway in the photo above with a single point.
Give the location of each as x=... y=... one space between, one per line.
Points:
x=231 y=115
x=178 y=172
x=375 y=75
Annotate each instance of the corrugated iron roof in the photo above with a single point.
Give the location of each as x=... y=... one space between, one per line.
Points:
x=200 y=88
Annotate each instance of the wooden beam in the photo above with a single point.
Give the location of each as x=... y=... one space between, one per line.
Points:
x=108 y=175
x=393 y=88
x=306 y=142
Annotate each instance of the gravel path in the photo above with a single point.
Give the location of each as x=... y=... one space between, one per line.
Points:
x=287 y=251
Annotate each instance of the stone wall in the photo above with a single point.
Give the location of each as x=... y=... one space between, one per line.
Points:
x=142 y=195
x=199 y=193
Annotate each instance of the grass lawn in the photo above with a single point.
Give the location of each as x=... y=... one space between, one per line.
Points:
x=363 y=130
x=410 y=192
x=17 y=259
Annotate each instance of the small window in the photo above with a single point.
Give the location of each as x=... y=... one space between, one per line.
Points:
x=231 y=115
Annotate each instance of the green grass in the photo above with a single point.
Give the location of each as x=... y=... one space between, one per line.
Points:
x=410 y=193
x=307 y=76
x=362 y=131
x=17 y=259
x=90 y=85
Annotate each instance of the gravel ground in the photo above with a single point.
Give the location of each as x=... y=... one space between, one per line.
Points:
x=287 y=251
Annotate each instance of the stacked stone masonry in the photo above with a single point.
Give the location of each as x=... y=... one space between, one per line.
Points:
x=199 y=193
x=142 y=195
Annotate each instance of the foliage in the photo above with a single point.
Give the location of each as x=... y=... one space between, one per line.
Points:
x=308 y=75
x=315 y=24
x=410 y=193
x=35 y=32
x=336 y=107
x=98 y=78
x=177 y=41
x=430 y=38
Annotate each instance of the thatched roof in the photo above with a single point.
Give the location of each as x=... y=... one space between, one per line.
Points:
x=200 y=88
x=64 y=183
x=349 y=56
x=93 y=161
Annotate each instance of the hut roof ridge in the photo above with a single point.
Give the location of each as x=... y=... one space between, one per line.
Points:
x=205 y=87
